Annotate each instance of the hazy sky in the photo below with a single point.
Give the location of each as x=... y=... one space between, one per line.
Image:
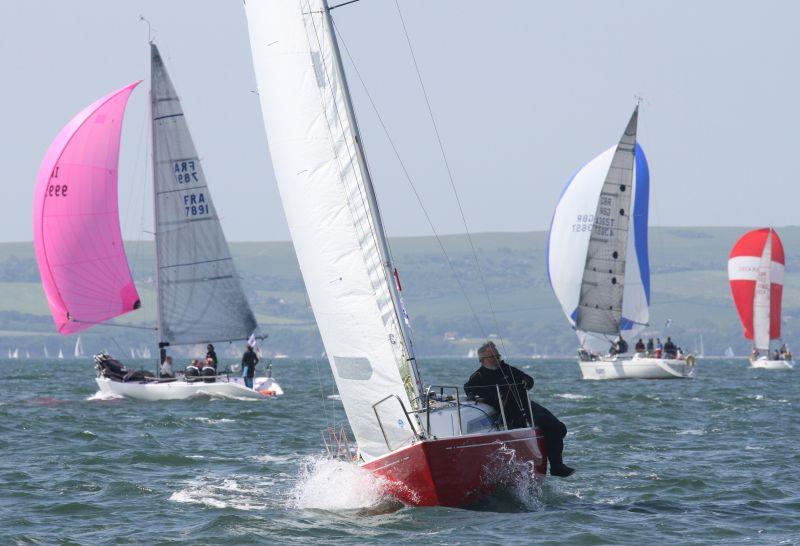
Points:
x=525 y=92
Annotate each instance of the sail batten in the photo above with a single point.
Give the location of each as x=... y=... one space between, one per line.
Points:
x=200 y=294
x=333 y=218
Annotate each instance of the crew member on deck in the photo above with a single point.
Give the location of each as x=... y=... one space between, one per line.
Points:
x=670 y=350
x=249 y=361
x=618 y=348
x=649 y=346
x=212 y=354
x=639 y=348
x=166 y=368
x=513 y=386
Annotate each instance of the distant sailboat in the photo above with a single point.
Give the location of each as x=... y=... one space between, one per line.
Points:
x=597 y=258
x=755 y=270
x=78 y=353
x=15 y=354
x=27 y=354
x=46 y=352
x=729 y=352
x=199 y=295
x=60 y=354
x=133 y=354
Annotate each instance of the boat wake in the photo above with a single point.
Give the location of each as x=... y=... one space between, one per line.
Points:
x=334 y=485
x=100 y=395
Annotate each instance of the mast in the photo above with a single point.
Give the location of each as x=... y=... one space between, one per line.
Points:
x=162 y=345
x=374 y=209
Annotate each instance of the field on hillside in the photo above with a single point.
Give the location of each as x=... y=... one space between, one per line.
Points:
x=689 y=286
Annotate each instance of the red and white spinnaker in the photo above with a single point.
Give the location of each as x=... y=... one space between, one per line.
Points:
x=755 y=270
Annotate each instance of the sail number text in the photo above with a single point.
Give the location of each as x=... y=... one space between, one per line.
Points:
x=195 y=204
x=57 y=190
x=185 y=172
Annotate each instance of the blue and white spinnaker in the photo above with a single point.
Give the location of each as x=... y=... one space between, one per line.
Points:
x=597 y=247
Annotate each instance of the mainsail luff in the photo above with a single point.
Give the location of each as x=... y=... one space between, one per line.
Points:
x=761 y=297
x=200 y=298
x=394 y=321
x=322 y=185
x=602 y=287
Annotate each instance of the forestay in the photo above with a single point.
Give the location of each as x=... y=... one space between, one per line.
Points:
x=200 y=295
x=77 y=236
x=335 y=228
x=587 y=230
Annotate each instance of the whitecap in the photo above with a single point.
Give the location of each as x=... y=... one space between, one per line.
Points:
x=571 y=396
x=210 y=421
x=692 y=432
x=333 y=397
x=267 y=458
x=231 y=492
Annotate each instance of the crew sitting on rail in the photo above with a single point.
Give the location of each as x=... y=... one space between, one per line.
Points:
x=639 y=347
x=670 y=350
x=166 y=368
x=619 y=347
x=650 y=346
x=495 y=375
x=209 y=370
x=785 y=354
x=193 y=369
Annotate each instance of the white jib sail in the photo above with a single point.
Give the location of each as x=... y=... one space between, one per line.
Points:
x=323 y=188
x=200 y=296
x=569 y=241
x=761 y=298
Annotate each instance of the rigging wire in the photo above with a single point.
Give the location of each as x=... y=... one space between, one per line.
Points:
x=449 y=174
x=410 y=181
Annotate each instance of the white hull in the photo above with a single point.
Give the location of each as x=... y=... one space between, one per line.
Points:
x=264 y=387
x=765 y=364
x=638 y=368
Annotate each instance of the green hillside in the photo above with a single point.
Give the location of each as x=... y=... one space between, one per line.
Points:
x=689 y=286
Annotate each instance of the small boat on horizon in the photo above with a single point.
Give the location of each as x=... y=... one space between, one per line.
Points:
x=756 y=269
x=598 y=264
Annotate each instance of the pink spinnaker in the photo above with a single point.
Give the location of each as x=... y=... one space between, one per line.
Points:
x=77 y=235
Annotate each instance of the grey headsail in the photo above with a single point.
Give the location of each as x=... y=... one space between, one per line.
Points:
x=600 y=304
x=200 y=296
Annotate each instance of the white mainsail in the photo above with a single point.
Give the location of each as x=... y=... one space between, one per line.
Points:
x=333 y=218
x=573 y=251
x=761 y=298
x=200 y=295
x=600 y=303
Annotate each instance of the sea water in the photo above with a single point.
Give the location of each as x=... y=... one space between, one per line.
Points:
x=710 y=460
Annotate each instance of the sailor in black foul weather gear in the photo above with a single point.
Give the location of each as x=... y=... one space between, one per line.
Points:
x=249 y=361
x=212 y=354
x=513 y=386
